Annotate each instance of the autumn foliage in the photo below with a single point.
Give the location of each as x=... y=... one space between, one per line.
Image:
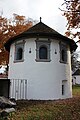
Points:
x=72 y=14
x=10 y=28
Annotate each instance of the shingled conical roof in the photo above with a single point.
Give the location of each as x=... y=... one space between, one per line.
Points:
x=41 y=30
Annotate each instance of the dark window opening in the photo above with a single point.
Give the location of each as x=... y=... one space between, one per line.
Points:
x=63 y=55
x=43 y=53
x=19 y=54
x=62 y=89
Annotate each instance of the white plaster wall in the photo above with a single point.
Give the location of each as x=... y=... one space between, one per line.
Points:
x=76 y=79
x=44 y=79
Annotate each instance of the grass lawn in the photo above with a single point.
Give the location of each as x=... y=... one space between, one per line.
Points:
x=76 y=90
x=68 y=109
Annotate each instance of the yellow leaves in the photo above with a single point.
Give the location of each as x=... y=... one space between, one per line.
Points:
x=68 y=109
x=72 y=14
x=9 y=28
x=67 y=33
x=18 y=17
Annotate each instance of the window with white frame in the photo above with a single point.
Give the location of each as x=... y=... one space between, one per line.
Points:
x=43 y=51
x=63 y=53
x=19 y=52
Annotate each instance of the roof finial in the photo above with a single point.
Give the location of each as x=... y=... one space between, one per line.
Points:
x=40 y=19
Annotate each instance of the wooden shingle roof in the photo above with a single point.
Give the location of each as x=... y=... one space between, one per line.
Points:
x=41 y=30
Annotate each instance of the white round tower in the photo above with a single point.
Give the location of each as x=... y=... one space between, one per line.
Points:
x=40 y=64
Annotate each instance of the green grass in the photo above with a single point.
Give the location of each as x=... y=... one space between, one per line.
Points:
x=76 y=90
x=68 y=109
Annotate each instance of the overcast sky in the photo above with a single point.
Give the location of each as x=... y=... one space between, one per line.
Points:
x=47 y=9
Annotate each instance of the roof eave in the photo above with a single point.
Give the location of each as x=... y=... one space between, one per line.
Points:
x=73 y=45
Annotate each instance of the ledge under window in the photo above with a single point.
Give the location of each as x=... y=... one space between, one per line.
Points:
x=42 y=60
x=64 y=62
x=16 y=61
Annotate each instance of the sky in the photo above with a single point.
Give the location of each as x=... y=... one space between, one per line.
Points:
x=47 y=9
x=2 y=69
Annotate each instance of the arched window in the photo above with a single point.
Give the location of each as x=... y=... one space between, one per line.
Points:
x=43 y=52
x=63 y=53
x=19 y=54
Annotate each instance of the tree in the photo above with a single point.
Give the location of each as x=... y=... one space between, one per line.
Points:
x=71 y=10
x=10 y=28
x=72 y=13
x=75 y=63
x=3 y=30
